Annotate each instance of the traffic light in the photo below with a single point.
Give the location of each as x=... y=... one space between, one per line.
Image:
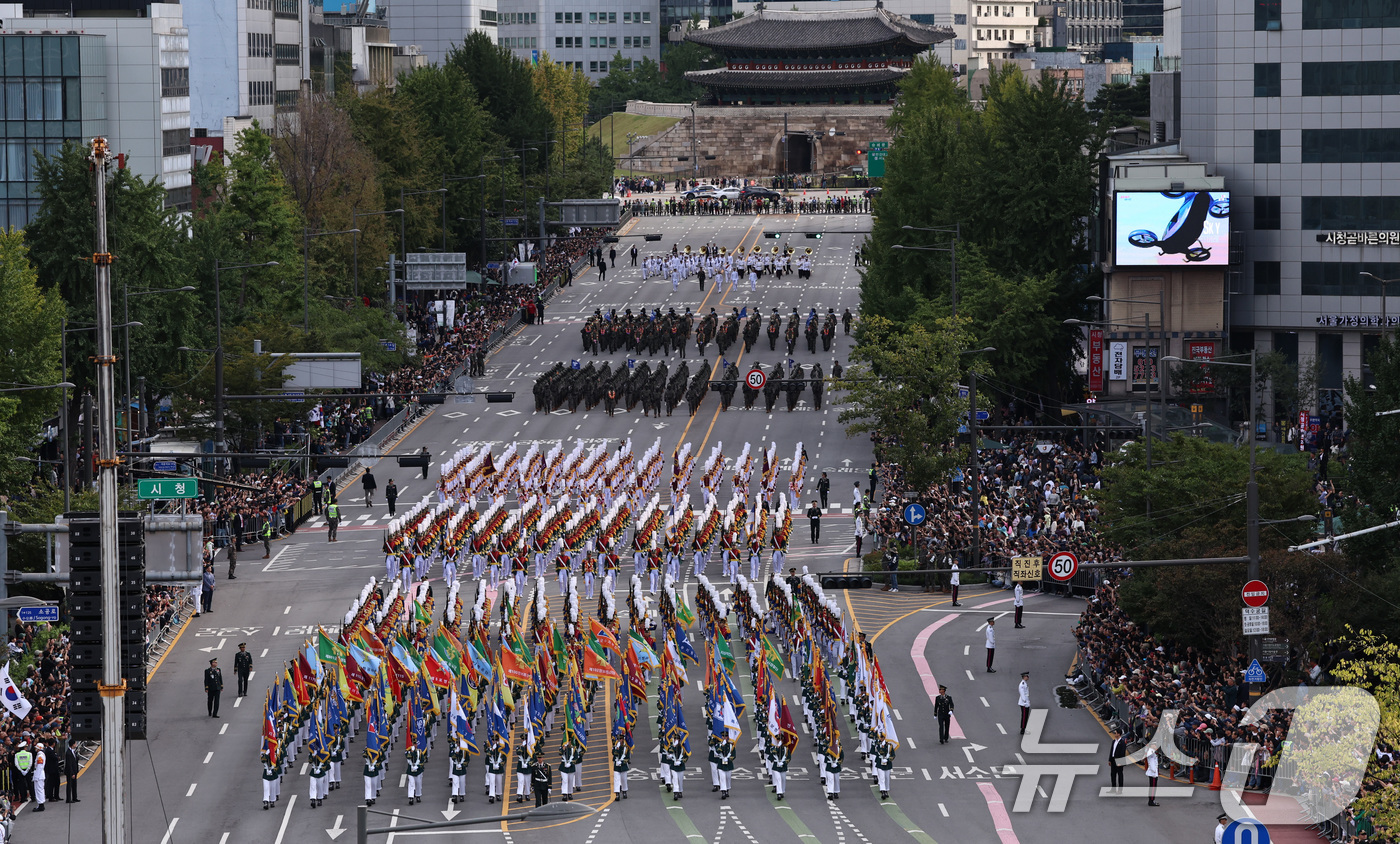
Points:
x=651 y=238
x=846 y=581
x=610 y=239
x=814 y=235
x=772 y=235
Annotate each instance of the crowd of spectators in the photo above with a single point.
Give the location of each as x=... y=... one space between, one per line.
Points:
x=720 y=206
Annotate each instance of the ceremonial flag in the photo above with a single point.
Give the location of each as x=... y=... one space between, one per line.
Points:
x=269 y=729
x=514 y=667
x=438 y=671
x=479 y=663
x=348 y=691
x=595 y=663
x=448 y=650
x=373 y=642
x=561 y=652
x=643 y=651
x=15 y=703
x=684 y=614
x=327 y=649
x=299 y=684
x=773 y=657
x=605 y=636
x=787 y=726
x=421 y=614
x=461 y=724
x=725 y=654
x=683 y=645
x=404 y=658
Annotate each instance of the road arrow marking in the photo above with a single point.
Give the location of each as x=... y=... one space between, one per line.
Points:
x=217 y=647
x=970 y=749
x=449 y=813
x=337 y=830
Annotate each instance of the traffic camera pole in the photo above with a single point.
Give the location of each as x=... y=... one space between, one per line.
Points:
x=112 y=688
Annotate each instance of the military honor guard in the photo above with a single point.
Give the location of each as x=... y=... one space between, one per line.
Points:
x=621 y=764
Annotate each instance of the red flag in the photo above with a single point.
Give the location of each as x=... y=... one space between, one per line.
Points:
x=596 y=667
x=513 y=667
x=299 y=685
x=787 y=726
x=355 y=673
x=438 y=674
x=605 y=636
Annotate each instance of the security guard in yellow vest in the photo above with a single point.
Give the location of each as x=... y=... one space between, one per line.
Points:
x=266 y=534
x=332 y=518
x=317 y=491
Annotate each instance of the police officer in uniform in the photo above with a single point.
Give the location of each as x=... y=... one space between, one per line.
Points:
x=332 y=519
x=267 y=534
x=242 y=666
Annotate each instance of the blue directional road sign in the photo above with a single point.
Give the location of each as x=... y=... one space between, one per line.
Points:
x=1255 y=673
x=34 y=615
x=511 y=221
x=164 y=465
x=1245 y=831
x=914 y=514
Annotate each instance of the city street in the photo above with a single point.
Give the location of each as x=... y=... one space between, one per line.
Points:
x=197 y=778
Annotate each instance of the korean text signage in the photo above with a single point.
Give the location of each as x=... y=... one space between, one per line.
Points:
x=1360 y=238
x=1145 y=366
x=1203 y=350
x=159 y=488
x=1357 y=320
x=1118 y=361
x=875 y=161
x=1026 y=568
x=1095 y=360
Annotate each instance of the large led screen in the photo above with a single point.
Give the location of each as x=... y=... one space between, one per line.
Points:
x=1172 y=228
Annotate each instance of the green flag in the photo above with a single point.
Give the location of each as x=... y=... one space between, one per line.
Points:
x=725 y=654
x=448 y=654
x=326 y=648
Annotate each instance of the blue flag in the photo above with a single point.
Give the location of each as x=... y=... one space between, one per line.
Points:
x=683 y=646
x=743 y=312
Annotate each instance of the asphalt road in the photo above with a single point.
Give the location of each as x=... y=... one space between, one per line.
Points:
x=197 y=779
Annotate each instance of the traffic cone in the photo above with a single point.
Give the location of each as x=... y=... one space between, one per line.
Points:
x=1190 y=774
x=1215 y=778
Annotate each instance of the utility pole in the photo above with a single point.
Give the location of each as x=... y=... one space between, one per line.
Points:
x=113 y=687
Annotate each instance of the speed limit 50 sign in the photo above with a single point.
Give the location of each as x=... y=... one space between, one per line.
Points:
x=1063 y=565
x=755 y=379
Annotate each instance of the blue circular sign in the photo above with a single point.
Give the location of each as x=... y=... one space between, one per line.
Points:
x=1246 y=831
x=914 y=514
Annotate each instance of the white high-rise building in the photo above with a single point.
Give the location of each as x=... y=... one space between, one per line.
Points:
x=436 y=26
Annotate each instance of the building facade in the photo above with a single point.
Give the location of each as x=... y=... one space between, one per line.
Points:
x=436 y=26
x=70 y=78
x=590 y=40
x=1296 y=104
x=837 y=57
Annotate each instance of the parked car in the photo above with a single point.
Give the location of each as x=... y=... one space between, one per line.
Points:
x=701 y=191
x=873 y=192
x=729 y=193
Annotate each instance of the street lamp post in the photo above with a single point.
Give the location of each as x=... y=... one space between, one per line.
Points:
x=1251 y=486
x=1384 y=282
x=220 y=443
x=952 y=249
x=306 y=235
x=482 y=167
x=355 y=243
x=445 y=179
x=87 y=462
x=126 y=344
x=975 y=486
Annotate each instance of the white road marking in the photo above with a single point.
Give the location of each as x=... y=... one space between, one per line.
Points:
x=169 y=830
x=1001 y=729
x=224 y=838
x=984 y=702
x=264 y=654
x=237 y=701
x=926 y=774
x=968 y=671
x=943 y=810
x=288 y=610
x=911 y=742
x=190 y=793
x=224 y=728
x=967 y=649
x=286 y=816
x=897 y=716
x=208 y=756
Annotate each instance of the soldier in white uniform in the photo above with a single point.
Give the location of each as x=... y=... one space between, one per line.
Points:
x=270 y=777
x=40 y=760
x=458 y=760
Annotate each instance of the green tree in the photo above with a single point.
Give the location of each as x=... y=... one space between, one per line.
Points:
x=30 y=320
x=149 y=243
x=903 y=383
x=245 y=373
x=1373 y=465
x=679 y=59
x=506 y=87
x=1117 y=103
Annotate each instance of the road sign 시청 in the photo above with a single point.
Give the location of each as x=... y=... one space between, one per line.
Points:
x=914 y=514
x=163 y=465
x=34 y=615
x=1245 y=831
x=1255 y=593
x=1027 y=568
x=1255 y=620
x=160 y=488
x=1255 y=673
x=1064 y=565
x=510 y=221
x=756 y=379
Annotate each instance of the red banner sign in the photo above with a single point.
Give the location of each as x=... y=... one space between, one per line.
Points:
x=1095 y=360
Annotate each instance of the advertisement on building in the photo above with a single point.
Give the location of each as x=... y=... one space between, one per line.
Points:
x=1202 y=350
x=1144 y=366
x=1096 y=360
x=1171 y=228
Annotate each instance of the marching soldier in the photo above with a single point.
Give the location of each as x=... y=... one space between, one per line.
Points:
x=413 y=759
x=679 y=757
x=457 y=764
x=568 y=768
x=242 y=666
x=831 y=768
x=726 y=752
x=337 y=757
x=496 y=771
x=374 y=767
x=320 y=768
x=523 y=767
x=881 y=764
x=621 y=764
x=271 y=777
